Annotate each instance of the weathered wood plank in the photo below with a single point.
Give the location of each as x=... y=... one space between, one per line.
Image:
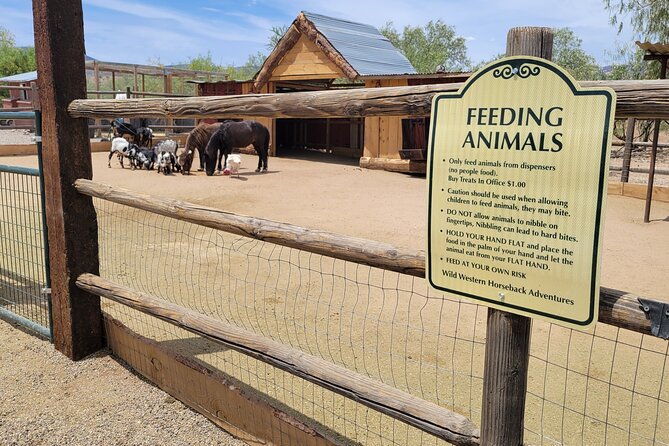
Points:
x=640 y=99
x=71 y=218
x=412 y=410
x=617 y=308
x=213 y=394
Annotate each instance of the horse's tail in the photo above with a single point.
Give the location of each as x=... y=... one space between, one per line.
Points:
x=266 y=141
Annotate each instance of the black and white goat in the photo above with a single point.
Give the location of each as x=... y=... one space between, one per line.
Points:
x=144 y=137
x=142 y=157
x=120 y=147
x=169 y=146
x=167 y=162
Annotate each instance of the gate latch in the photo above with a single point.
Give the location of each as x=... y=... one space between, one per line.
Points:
x=46 y=292
x=658 y=314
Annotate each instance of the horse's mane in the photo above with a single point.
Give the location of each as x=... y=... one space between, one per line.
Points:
x=200 y=135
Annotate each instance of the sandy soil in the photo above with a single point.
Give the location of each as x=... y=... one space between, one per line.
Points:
x=343 y=198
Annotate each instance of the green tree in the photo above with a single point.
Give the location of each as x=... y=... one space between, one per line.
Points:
x=277 y=34
x=14 y=60
x=648 y=18
x=568 y=53
x=203 y=63
x=433 y=47
x=249 y=69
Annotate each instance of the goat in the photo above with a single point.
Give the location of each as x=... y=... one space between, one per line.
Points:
x=171 y=146
x=184 y=160
x=166 y=162
x=120 y=147
x=143 y=157
x=144 y=137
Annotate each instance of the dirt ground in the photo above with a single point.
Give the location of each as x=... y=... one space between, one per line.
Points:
x=333 y=195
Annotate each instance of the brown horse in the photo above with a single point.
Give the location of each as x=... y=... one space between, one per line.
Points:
x=197 y=139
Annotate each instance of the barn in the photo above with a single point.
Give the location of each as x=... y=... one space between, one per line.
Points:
x=318 y=52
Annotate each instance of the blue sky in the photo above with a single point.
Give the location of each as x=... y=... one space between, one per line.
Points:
x=171 y=31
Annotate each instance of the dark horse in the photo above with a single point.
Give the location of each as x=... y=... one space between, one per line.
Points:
x=234 y=135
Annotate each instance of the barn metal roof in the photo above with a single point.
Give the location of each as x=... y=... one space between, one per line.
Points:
x=21 y=77
x=363 y=46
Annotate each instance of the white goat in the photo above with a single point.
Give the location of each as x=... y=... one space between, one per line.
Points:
x=119 y=146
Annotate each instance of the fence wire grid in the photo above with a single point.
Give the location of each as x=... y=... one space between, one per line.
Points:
x=583 y=389
x=22 y=256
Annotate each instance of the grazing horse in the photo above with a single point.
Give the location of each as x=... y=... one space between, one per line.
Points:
x=197 y=140
x=233 y=135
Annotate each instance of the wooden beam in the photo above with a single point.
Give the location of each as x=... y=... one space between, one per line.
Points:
x=321 y=242
x=71 y=218
x=150 y=70
x=381 y=397
x=640 y=99
x=393 y=165
x=225 y=401
x=96 y=74
x=617 y=308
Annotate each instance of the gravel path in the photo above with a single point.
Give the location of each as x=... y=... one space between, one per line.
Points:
x=11 y=137
x=46 y=399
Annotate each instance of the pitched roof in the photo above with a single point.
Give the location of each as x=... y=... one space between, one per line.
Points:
x=654 y=48
x=363 y=46
x=21 y=77
x=355 y=48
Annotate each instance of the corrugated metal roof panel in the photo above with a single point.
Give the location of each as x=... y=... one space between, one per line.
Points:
x=363 y=46
x=21 y=77
x=654 y=48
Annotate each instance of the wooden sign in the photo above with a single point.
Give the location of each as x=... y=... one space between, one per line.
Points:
x=517 y=170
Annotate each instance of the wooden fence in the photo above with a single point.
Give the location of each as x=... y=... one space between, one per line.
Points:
x=73 y=225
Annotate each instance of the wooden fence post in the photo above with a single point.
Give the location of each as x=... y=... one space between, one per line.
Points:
x=71 y=218
x=508 y=336
x=627 y=154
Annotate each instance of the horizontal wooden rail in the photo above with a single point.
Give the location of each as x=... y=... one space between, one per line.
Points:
x=160 y=95
x=17 y=127
x=138 y=93
x=639 y=99
x=14 y=87
x=17 y=109
x=639 y=170
x=320 y=242
x=617 y=308
x=661 y=145
x=412 y=410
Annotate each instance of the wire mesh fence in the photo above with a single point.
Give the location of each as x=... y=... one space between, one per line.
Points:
x=22 y=255
x=380 y=324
